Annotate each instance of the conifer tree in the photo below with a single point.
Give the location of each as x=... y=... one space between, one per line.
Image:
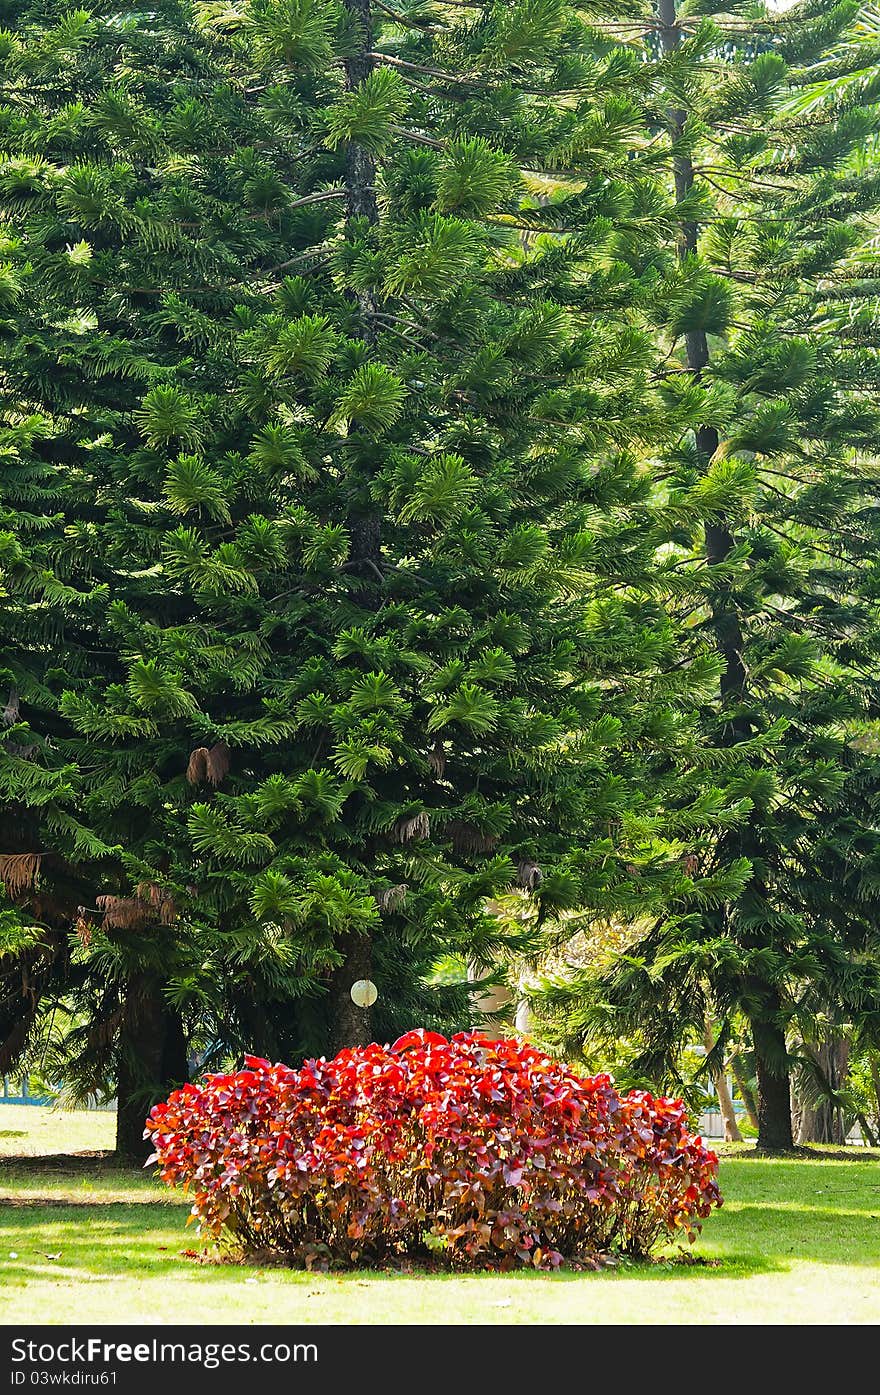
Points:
x=332 y=377
x=767 y=313
x=134 y=220
x=445 y=730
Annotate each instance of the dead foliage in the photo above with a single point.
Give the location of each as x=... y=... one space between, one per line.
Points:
x=467 y=838
x=18 y=871
x=528 y=875
x=415 y=828
x=392 y=897
x=150 y=903
x=208 y=764
x=10 y=713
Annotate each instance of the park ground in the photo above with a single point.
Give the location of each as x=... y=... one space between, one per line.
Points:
x=83 y=1241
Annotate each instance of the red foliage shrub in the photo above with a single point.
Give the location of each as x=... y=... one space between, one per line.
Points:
x=487 y=1152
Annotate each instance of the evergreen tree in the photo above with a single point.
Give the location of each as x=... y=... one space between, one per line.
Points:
x=135 y=224
x=435 y=686
x=768 y=322
x=329 y=503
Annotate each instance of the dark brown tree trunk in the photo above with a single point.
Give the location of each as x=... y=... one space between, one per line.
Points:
x=719 y=542
x=774 y=1087
x=350 y=1025
x=151 y=1061
x=256 y=1023
x=360 y=167
x=774 y=1091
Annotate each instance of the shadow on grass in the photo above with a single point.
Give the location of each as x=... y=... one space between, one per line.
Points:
x=83 y=1164
x=780 y=1211
x=77 y=1179
x=97 y=1240
x=90 y=1202
x=122 y=1248
x=814 y=1152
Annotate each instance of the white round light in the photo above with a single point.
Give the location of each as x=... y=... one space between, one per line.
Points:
x=364 y=993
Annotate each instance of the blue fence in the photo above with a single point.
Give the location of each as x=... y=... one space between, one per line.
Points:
x=25 y=1097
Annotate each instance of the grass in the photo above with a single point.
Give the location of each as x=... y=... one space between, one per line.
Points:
x=83 y=1241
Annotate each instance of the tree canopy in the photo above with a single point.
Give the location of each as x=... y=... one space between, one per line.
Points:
x=437 y=473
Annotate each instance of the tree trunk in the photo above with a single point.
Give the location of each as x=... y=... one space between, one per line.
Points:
x=874 y=1061
x=491 y=1002
x=360 y=167
x=774 y=1087
x=350 y=1025
x=745 y=1090
x=821 y=1121
x=719 y=541
x=151 y=1060
x=522 y=1022
x=256 y=1021
x=774 y=1093
x=725 y=1103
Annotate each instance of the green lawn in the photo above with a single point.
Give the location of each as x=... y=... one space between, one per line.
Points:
x=82 y=1241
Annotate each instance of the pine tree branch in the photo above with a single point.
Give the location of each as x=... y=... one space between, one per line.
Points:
x=407 y=324
x=476 y=84
x=410 y=23
x=419 y=139
x=813 y=546
x=426 y=91
x=299 y=260
x=315 y=198
x=389 y=328
x=743 y=178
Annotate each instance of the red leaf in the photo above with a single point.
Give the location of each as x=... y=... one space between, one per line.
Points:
x=418 y=1037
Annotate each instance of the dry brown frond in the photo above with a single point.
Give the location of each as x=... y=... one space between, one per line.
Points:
x=101 y=1034
x=18 y=871
x=417 y=827
x=217 y=762
x=10 y=712
x=437 y=758
x=392 y=897
x=149 y=891
x=208 y=764
x=197 y=768
x=168 y=910
x=150 y=903
x=468 y=838
x=123 y=912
